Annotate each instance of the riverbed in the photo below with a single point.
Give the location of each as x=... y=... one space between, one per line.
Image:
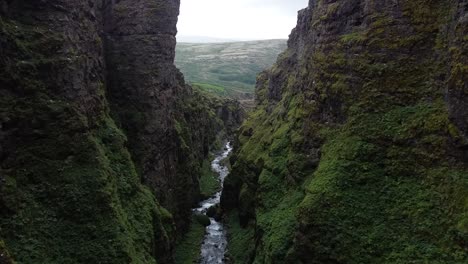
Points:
x=215 y=241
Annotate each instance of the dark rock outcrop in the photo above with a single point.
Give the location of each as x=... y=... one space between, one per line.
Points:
x=458 y=78
x=169 y=131
x=5 y=257
x=91 y=107
x=69 y=192
x=144 y=87
x=356 y=152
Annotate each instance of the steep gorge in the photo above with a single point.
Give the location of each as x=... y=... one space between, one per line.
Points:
x=357 y=149
x=101 y=140
x=356 y=152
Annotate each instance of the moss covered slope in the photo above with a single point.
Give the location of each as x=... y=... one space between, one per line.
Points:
x=91 y=108
x=69 y=189
x=356 y=152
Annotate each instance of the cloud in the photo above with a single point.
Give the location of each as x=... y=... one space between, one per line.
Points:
x=239 y=19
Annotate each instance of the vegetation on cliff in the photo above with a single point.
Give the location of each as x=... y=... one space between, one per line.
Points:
x=70 y=192
x=354 y=153
x=77 y=159
x=224 y=115
x=188 y=247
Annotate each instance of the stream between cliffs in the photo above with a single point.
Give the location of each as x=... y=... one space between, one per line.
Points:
x=215 y=241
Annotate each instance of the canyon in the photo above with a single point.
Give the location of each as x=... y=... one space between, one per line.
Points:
x=101 y=140
x=356 y=150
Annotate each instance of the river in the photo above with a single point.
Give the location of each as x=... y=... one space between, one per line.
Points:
x=215 y=242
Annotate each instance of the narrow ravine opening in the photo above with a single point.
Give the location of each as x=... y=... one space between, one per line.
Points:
x=206 y=241
x=213 y=248
x=348 y=146
x=220 y=56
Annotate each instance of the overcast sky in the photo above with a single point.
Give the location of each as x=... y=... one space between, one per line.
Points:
x=239 y=19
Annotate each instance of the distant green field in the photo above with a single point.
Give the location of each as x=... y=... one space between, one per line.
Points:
x=214 y=89
x=227 y=69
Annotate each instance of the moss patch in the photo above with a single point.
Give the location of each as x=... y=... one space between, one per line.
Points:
x=209 y=182
x=71 y=192
x=241 y=239
x=188 y=247
x=351 y=155
x=394 y=202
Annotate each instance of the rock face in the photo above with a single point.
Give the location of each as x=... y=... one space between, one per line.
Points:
x=91 y=106
x=144 y=87
x=356 y=152
x=457 y=86
x=169 y=132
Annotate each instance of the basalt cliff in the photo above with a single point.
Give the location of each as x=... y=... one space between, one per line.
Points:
x=101 y=141
x=357 y=151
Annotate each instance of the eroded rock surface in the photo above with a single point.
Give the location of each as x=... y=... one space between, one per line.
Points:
x=91 y=107
x=356 y=152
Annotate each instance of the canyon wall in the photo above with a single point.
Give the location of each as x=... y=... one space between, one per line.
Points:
x=357 y=149
x=101 y=141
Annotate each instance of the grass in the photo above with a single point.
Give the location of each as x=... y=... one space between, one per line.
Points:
x=240 y=238
x=410 y=197
x=364 y=166
x=230 y=66
x=188 y=248
x=209 y=182
x=210 y=88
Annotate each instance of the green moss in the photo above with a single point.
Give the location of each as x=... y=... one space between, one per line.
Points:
x=239 y=248
x=202 y=219
x=353 y=38
x=188 y=247
x=112 y=219
x=278 y=222
x=5 y=257
x=268 y=196
x=209 y=183
x=183 y=132
x=403 y=193
x=72 y=193
x=212 y=89
x=390 y=186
